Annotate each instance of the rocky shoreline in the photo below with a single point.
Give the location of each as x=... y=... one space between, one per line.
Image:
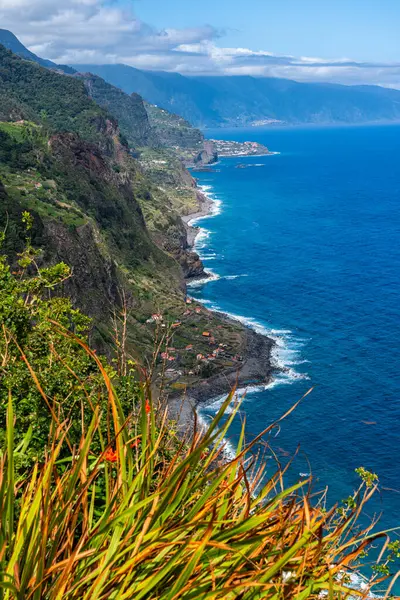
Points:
x=255 y=368
x=205 y=208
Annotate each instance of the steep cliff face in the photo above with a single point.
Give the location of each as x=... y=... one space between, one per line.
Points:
x=208 y=155
x=82 y=195
x=129 y=110
x=146 y=126
x=173 y=130
x=114 y=219
x=93 y=285
x=103 y=193
x=93 y=168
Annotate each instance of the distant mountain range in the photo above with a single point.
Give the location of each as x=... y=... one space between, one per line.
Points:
x=11 y=42
x=226 y=101
x=222 y=101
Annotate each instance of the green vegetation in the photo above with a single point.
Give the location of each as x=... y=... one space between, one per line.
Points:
x=28 y=91
x=69 y=183
x=165 y=170
x=20 y=143
x=128 y=109
x=173 y=130
x=99 y=497
x=33 y=342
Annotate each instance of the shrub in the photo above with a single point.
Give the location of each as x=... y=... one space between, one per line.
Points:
x=34 y=346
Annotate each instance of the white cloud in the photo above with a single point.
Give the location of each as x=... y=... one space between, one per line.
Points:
x=101 y=31
x=62 y=27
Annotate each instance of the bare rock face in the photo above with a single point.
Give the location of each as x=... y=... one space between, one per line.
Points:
x=191 y=264
x=176 y=244
x=208 y=155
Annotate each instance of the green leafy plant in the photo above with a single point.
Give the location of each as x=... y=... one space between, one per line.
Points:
x=101 y=499
x=148 y=516
x=32 y=347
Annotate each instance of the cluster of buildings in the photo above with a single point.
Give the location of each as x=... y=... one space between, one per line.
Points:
x=169 y=355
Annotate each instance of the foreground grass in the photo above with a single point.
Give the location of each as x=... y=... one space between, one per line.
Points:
x=149 y=516
x=100 y=498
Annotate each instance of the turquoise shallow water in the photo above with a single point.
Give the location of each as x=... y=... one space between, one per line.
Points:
x=306 y=246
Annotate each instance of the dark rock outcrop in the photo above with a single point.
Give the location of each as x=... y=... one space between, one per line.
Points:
x=208 y=154
x=191 y=264
x=94 y=285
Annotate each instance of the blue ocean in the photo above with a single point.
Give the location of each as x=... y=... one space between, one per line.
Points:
x=304 y=246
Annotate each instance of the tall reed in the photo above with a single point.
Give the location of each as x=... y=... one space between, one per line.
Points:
x=144 y=514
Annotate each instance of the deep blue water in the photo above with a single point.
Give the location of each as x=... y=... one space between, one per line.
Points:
x=314 y=235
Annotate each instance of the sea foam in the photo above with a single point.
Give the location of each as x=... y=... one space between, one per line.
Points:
x=286 y=353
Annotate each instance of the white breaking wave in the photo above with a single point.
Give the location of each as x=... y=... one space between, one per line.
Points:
x=359 y=582
x=229 y=448
x=205 y=302
x=215 y=209
x=285 y=354
x=201 y=238
x=196 y=283
x=208 y=256
x=229 y=277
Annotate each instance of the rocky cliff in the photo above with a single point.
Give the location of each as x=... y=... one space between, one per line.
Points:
x=207 y=155
x=129 y=110
x=112 y=214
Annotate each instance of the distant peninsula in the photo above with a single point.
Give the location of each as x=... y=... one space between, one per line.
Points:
x=226 y=148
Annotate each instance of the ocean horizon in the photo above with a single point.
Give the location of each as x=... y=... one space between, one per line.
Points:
x=302 y=246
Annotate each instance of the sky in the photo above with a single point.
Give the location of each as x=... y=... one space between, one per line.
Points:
x=343 y=41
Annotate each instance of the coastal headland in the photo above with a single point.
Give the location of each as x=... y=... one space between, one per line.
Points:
x=230 y=148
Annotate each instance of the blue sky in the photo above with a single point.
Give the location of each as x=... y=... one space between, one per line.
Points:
x=357 y=29
x=342 y=41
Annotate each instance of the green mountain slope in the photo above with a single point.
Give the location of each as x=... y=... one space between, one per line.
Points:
x=128 y=109
x=170 y=91
x=173 y=130
x=60 y=103
x=80 y=184
x=115 y=220
x=144 y=124
x=165 y=129
x=11 y=42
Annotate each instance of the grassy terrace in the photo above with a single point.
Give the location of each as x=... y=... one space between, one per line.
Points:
x=40 y=195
